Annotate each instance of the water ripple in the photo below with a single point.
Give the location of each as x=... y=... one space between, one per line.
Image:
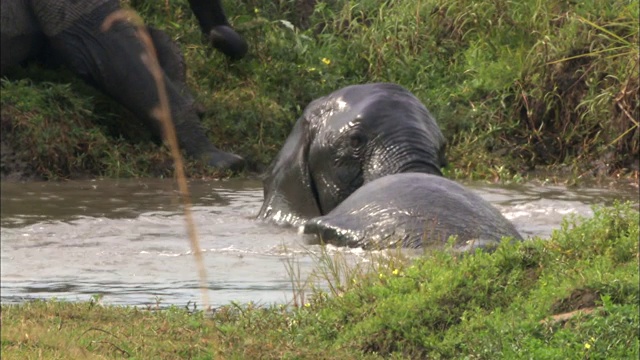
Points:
x=126 y=240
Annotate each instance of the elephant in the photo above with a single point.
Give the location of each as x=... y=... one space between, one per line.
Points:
x=412 y=210
x=346 y=139
x=69 y=32
x=215 y=26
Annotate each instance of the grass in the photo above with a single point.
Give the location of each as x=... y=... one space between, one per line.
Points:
x=572 y=296
x=515 y=86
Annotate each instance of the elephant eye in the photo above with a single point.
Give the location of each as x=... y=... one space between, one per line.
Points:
x=356 y=140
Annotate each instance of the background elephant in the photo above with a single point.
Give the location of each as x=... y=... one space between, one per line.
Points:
x=344 y=140
x=214 y=24
x=111 y=60
x=412 y=210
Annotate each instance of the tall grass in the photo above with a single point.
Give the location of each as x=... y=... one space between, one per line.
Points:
x=338 y=270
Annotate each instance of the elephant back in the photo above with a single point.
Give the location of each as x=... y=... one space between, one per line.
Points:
x=412 y=210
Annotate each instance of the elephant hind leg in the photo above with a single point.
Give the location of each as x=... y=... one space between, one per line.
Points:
x=214 y=24
x=18 y=49
x=228 y=41
x=112 y=60
x=21 y=38
x=169 y=55
x=173 y=64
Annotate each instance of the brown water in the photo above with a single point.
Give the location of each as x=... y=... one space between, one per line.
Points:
x=126 y=240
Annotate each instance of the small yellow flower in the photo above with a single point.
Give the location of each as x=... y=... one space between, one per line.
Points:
x=326 y=61
x=381 y=275
x=256 y=10
x=396 y=272
x=587 y=346
x=307 y=305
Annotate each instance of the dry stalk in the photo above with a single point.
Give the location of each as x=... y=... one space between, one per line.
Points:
x=163 y=113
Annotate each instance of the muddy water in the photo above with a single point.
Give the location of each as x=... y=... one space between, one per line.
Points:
x=126 y=240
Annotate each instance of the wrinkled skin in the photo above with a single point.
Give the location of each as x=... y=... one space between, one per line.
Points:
x=68 y=32
x=344 y=140
x=412 y=210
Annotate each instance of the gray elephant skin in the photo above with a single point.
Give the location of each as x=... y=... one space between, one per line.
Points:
x=68 y=32
x=344 y=140
x=412 y=210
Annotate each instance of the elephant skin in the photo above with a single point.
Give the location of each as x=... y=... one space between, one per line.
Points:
x=412 y=210
x=344 y=140
x=214 y=24
x=70 y=33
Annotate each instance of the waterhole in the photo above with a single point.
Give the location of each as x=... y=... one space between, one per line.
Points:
x=126 y=240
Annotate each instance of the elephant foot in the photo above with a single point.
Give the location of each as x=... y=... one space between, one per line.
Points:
x=229 y=42
x=224 y=161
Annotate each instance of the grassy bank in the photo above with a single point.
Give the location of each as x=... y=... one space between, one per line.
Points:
x=573 y=296
x=514 y=86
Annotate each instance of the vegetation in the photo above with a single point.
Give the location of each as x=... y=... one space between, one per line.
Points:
x=515 y=86
x=573 y=296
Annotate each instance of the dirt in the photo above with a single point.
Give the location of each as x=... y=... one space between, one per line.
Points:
x=12 y=166
x=579 y=299
x=564 y=318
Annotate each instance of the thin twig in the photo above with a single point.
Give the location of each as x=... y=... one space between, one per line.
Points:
x=98 y=329
x=123 y=351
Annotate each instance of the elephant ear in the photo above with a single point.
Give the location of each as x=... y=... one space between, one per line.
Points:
x=289 y=193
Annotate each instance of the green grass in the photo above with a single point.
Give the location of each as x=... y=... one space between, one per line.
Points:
x=515 y=86
x=572 y=296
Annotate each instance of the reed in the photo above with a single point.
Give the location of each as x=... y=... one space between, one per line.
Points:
x=163 y=113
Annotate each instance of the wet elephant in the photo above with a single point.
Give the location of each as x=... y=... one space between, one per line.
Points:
x=344 y=140
x=412 y=210
x=111 y=60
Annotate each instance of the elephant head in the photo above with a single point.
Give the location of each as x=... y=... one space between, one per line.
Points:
x=348 y=138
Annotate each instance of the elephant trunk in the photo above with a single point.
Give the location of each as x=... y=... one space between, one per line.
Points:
x=318 y=230
x=407 y=151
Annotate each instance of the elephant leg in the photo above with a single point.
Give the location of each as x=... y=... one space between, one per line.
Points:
x=214 y=24
x=173 y=64
x=112 y=60
x=20 y=36
x=17 y=49
x=169 y=56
